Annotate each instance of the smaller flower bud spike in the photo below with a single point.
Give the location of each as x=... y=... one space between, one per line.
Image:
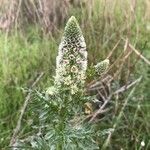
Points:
x=102 y=66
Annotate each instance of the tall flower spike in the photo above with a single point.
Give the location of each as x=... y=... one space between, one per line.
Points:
x=71 y=62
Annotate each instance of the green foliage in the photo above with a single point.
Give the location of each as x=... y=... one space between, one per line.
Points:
x=56 y=128
x=21 y=60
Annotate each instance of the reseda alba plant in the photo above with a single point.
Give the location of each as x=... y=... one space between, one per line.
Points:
x=63 y=104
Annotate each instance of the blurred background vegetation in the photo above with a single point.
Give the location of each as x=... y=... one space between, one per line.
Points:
x=30 y=33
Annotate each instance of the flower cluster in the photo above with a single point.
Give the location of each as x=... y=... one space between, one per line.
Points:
x=102 y=66
x=71 y=62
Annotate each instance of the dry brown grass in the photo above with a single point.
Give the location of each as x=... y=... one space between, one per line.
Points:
x=47 y=13
x=50 y=14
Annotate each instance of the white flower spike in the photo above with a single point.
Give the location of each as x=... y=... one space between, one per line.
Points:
x=71 y=61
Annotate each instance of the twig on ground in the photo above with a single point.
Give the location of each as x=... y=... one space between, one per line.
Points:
x=96 y=84
x=18 y=126
x=120 y=90
x=107 y=141
x=138 y=53
x=125 y=87
x=114 y=48
x=100 y=109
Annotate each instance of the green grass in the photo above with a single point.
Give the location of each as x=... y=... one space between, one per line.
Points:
x=24 y=55
x=21 y=60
